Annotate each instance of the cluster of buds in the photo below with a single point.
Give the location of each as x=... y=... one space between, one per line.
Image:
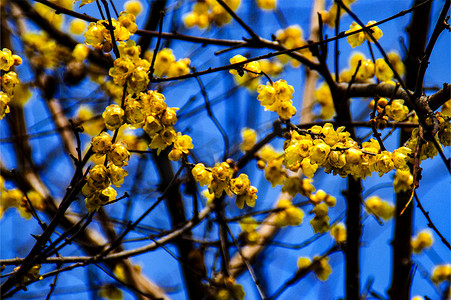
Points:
x=8 y=80
x=98 y=34
x=98 y=190
x=219 y=180
x=321 y=201
x=130 y=68
x=338 y=153
x=277 y=97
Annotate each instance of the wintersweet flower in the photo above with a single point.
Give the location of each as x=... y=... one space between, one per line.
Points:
x=421 y=241
x=382 y=70
x=290 y=215
x=355 y=39
x=321 y=268
x=201 y=175
x=113 y=116
x=338 y=232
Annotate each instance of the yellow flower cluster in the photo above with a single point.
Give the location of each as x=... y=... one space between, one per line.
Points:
x=365 y=72
x=269 y=67
x=321 y=266
x=130 y=68
x=441 y=273
x=292 y=37
x=368 y=69
x=98 y=35
x=167 y=65
x=403 y=181
x=14 y=198
x=7 y=59
x=323 y=97
x=252 y=68
x=338 y=153
x=207 y=12
x=288 y=215
x=421 y=241
x=219 y=180
x=8 y=80
x=322 y=202
x=245 y=193
x=277 y=97
x=151 y=112
x=378 y=207
x=328 y=16
x=267 y=4
x=338 y=232
x=43 y=52
x=98 y=190
x=358 y=38
x=249 y=232
x=396 y=110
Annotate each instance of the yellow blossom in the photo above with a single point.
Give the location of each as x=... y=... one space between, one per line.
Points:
x=382 y=70
x=289 y=215
x=355 y=39
x=201 y=175
x=77 y=26
x=133 y=6
x=397 y=110
x=321 y=268
x=441 y=273
x=249 y=137
x=119 y=155
x=338 y=232
x=380 y=208
x=403 y=181
x=421 y=241
x=113 y=116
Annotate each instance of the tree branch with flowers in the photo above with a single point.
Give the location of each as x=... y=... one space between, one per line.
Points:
x=147 y=168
